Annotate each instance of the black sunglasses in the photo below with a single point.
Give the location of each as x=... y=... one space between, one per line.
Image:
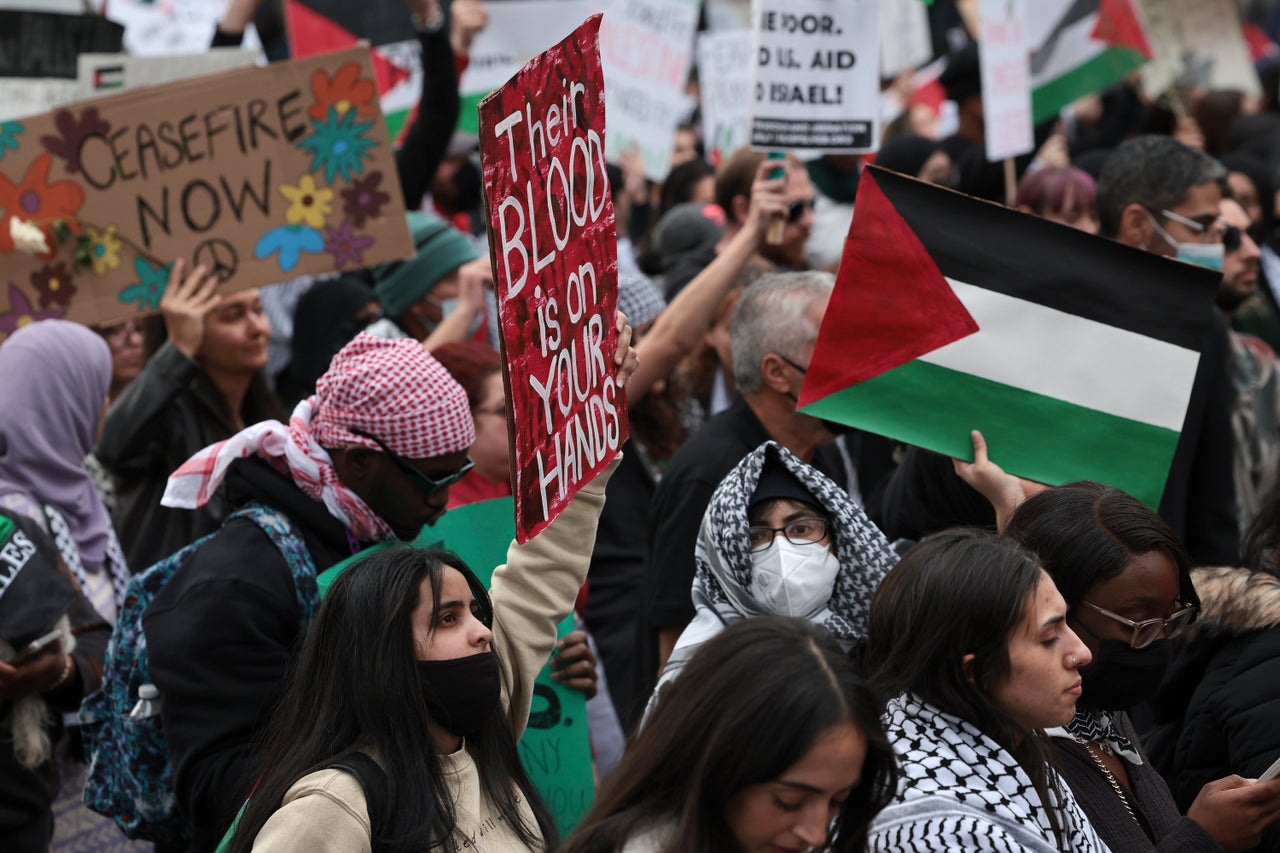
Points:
x=425 y=484
x=1232 y=237
x=796 y=209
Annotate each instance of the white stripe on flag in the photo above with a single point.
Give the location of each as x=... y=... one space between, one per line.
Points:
x=1074 y=48
x=1070 y=358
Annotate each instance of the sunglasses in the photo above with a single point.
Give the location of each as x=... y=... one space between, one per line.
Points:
x=795 y=210
x=425 y=484
x=1148 y=631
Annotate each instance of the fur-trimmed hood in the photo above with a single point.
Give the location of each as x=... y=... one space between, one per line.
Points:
x=1234 y=601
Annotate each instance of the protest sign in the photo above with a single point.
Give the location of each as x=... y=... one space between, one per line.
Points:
x=646 y=47
x=725 y=90
x=951 y=314
x=1006 y=84
x=261 y=174
x=556 y=747
x=1197 y=43
x=46 y=44
x=516 y=33
x=904 y=36
x=103 y=73
x=816 y=82
x=554 y=256
x=1079 y=47
x=174 y=26
x=25 y=96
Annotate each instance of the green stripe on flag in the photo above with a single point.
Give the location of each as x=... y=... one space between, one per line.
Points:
x=469 y=116
x=1109 y=66
x=917 y=402
x=395 y=121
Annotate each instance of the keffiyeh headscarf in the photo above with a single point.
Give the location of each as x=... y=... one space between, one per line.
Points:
x=392 y=389
x=724 y=578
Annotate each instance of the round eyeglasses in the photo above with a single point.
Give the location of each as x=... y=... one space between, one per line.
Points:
x=801 y=531
x=1148 y=631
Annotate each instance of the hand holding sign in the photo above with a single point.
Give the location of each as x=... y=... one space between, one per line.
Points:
x=186 y=301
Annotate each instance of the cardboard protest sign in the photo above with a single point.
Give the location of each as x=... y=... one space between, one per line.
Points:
x=647 y=47
x=817 y=75
x=46 y=44
x=262 y=174
x=1197 y=42
x=1006 y=78
x=554 y=254
x=517 y=32
x=951 y=314
x=556 y=746
x=725 y=90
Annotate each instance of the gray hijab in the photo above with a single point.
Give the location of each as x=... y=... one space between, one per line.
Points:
x=54 y=379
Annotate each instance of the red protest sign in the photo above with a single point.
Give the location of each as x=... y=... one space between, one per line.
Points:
x=555 y=267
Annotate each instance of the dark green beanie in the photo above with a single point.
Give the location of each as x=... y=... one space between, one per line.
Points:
x=441 y=250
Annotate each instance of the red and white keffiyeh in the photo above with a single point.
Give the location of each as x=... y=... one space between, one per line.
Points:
x=393 y=389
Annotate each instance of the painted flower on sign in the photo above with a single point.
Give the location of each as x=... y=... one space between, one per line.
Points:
x=152 y=281
x=344 y=91
x=290 y=241
x=338 y=145
x=21 y=313
x=346 y=247
x=308 y=204
x=54 y=285
x=73 y=132
x=35 y=199
x=9 y=132
x=103 y=248
x=363 y=200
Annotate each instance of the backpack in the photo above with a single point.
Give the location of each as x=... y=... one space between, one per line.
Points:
x=130 y=778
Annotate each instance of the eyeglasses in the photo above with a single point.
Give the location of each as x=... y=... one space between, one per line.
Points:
x=1207 y=227
x=802 y=531
x=1232 y=238
x=1148 y=631
x=118 y=333
x=425 y=484
x=795 y=211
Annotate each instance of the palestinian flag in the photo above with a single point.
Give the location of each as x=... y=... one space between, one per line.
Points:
x=1073 y=354
x=321 y=26
x=1081 y=47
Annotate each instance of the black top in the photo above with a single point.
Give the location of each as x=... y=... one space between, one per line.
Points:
x=221 y=634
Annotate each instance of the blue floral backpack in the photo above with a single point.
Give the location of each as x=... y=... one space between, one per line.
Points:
x=130 y=778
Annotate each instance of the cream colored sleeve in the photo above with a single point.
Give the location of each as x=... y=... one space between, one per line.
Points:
x=324 y=812
x=536 y=589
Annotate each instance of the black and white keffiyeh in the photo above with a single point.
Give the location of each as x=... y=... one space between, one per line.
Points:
x=722 y=580
x=961 y=791
x=1099 y=727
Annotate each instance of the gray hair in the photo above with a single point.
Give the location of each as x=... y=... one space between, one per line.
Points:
x=1153 y=171
x=771 y=318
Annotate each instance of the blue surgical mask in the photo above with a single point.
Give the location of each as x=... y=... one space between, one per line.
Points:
x=1208 y=255
x=448 y=306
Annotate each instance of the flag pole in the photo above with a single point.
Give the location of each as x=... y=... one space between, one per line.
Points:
x=1010 y=182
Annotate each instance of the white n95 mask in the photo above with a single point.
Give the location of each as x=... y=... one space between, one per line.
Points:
x=793 y=580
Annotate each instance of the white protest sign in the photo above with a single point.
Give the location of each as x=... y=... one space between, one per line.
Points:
x=646 y=48
x=904 y=36
x=175 y=26
x=1196 y=42
x=723 y=58
x=816 y=81
x=26 y=96
x=1005 y=63
x=105 y=73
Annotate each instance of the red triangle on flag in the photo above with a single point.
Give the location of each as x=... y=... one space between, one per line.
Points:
x=890 y=305
x=1120 y=26
x=311 y=33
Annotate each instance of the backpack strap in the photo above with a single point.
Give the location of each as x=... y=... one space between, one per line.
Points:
x=285 y=536
x=373 y=780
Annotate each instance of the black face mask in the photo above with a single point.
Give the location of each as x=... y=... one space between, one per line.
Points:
x=461 y=693
x=1122 y=676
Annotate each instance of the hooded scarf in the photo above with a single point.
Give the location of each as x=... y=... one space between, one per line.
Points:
x=724 y=577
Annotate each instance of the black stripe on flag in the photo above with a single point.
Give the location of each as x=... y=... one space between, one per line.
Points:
x=1026 y=257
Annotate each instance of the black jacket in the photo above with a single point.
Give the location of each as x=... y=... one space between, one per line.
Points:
x=165 y=416
x=221 y=634
x=1219 y=709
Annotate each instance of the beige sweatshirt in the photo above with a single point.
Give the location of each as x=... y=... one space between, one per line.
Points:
x=325 y=812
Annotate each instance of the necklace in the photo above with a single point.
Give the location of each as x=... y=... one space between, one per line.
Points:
x=1111 y=778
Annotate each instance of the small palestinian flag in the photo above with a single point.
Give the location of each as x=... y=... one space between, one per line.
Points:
x=1080 y=47
x=1073 y=354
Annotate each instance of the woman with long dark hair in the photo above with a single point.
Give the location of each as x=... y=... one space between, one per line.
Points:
x=398 y=730
x=968 y=634
x=769 y=740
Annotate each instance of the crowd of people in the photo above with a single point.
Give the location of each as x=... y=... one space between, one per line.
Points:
x=792 y=635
